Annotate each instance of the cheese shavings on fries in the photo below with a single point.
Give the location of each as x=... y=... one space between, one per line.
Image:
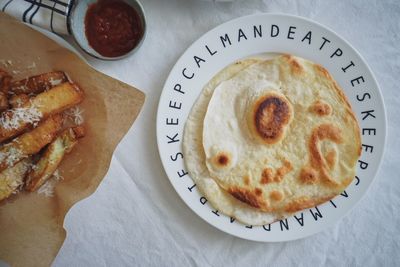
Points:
x=34 y=138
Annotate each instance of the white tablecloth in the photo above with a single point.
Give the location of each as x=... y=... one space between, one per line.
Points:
x=135 y=218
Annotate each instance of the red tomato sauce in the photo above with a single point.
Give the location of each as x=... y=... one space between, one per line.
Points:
x=112 y=27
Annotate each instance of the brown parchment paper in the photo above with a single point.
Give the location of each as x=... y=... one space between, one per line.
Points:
x=31 y=225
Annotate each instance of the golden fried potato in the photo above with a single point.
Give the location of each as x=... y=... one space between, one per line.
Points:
x=31 y=142
x=39 y=83
x=12 y=178
x=52 y=157
x=3 y=101
x=17 y=101
x=53 y=101
x=5 y=81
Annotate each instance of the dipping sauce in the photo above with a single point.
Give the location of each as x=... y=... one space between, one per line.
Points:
x=113 y=27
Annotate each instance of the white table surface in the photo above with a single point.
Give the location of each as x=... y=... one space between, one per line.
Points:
x=135 y=218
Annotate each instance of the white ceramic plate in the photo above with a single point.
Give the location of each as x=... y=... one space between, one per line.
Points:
x=293 y=35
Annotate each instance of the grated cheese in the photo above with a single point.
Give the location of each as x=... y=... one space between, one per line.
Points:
x=20 y=115
x=54 y=82
x=33 y=65
x=13 y=156
x=19 y=102
x=57 y=175
x=75 y=114
x=47 y=188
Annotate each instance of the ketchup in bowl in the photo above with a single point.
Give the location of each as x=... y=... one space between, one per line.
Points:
x=112 y=27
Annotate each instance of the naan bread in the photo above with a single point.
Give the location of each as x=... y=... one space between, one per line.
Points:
x=195 y=157
x=271 y=137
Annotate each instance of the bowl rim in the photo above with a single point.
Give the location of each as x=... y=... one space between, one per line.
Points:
x=136 y=4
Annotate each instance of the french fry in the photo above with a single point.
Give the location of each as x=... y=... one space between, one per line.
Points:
x=12 y=178
x=5 y=81
x=17 y=101
x=3 y=101
x=45 y=104
x=30 y=143
x=52 y=157
x=37 y=84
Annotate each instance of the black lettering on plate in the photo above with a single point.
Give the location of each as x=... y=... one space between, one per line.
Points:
x=316 y=214
x=363 y=164
x=357 y=80
x=173 y=139
x=307 y=37
x=211 y=52
x=249 y=226
x=224 y=39
x=232 y=219
x=175 y=157
x=344 y=194
x=267 y=228
x=198 y=60
x=338 y=52
x=257 y=31
x=348 y=66
x=178 y=88
x=333 y=203
x=368 y=147
x=361 y=99
x=368 y=113
x=215 y=212
x=323 y=43
x=284 y=224
x=191 y=188
x=369 y=131
x=300 y=220
x=174 y=105
x=357 y=180
x=190 y=76
x=276 y=28
x=290 y=32
x=182 y=173
x=203 y=200
x=170 y=121
x=241 y=35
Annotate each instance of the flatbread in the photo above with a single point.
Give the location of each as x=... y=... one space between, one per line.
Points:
x=267 y=138
x=281 y=136
x=195 y=157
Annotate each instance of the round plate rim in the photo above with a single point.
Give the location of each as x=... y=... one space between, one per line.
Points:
x=374 y=81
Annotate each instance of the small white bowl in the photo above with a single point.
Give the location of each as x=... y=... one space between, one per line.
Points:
x=76 y=24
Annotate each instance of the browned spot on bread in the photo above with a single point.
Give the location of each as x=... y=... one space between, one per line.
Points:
x=305 y=203
x=258 y=191
x=322 y=71
x=294 y=64
x=321 y=108
x=322 y=132
x=331 y=159
x=308 y=175
x=246 y=196
x=222 y=159
x=347 y=181
x=350 y=114
x=271 y=114
x=276 y=195
x=246 y=180
x=267 y=176
x=283 y=170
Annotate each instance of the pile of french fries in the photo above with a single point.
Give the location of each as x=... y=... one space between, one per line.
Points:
x=34 y=133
